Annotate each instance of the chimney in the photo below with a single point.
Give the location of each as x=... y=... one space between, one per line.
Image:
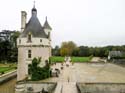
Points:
x=23 y=20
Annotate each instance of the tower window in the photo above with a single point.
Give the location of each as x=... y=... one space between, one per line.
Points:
x=29 y=53
x=29 y=37
x=48 y=34
x=19 y=41
x=40 y=40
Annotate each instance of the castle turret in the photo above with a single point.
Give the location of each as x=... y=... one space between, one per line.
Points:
x=47 y=28
x=32 y=43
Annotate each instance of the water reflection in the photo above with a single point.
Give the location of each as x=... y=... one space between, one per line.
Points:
x=8 y=87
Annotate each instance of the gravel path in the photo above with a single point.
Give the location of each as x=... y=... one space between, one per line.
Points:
x=86 y=72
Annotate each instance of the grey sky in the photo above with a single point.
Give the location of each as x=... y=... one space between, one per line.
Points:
x=86 y=22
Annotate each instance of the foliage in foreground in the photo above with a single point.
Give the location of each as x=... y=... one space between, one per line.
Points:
x=38 y=73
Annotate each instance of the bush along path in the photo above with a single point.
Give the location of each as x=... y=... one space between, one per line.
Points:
x=38 y=73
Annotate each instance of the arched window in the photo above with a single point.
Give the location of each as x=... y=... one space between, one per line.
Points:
x=29 y=54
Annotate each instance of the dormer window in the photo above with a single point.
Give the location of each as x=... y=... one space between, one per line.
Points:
x=29 y=37
x=40 y=40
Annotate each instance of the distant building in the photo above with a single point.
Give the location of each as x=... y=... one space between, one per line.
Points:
x=113 y=54
x=34 y=41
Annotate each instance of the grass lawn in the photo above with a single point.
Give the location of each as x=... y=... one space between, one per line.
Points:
x=80 y=59
x=4 y=68
x=57 y=59
x=73 y=59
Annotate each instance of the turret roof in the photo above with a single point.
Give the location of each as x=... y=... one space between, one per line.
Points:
x=46 y=25
x=34 y=27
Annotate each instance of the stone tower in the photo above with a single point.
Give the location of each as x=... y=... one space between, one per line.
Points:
x=34 y=41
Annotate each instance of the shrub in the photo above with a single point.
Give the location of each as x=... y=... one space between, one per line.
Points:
x=38 y=73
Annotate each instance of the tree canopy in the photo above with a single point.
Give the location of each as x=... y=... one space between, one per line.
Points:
x=8 y=48
x=67 y=48
x=71 y=49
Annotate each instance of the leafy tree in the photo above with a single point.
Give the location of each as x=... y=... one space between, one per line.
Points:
x=8 y=48
x=37 y=72
x=70 y=49
x=83 y=51
x=56 y=51
x=14 y=37
x=67 y=48
x=75 y=52
x=64 y=52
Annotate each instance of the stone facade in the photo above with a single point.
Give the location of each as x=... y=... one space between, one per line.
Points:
x=35 y=87
x=34 y=41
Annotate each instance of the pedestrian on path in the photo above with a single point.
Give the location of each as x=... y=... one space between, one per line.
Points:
x=68 y=79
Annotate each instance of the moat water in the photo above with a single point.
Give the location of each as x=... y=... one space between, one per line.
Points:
x=8 y=87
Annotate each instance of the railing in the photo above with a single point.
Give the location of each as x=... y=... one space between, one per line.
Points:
x=25 y=85
x=101 y=87
x=7 y=77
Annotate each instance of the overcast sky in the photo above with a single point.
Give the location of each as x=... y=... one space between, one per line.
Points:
x=86 y=22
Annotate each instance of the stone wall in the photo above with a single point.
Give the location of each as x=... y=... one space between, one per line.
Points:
x=23 y=60
x=34 y=87
x=101 y=87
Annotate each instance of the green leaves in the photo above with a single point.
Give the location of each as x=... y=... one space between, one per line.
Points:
x=36 y=72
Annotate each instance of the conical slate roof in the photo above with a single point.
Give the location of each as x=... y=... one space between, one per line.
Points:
x=34 y=27
x=46 y=25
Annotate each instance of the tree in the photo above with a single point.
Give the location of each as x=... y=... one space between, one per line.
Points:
x=75 y=52
x=8 y=48
x=83 y=51
x=14 y=37
x=70 y=49
x=56 y=51
x=64 y=51
x=67 y=48
x=37 y=72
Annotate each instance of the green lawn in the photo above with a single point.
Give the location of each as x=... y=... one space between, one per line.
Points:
x=4 y=68
x=80 y=59
x=57 y=59
x=73 y=59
